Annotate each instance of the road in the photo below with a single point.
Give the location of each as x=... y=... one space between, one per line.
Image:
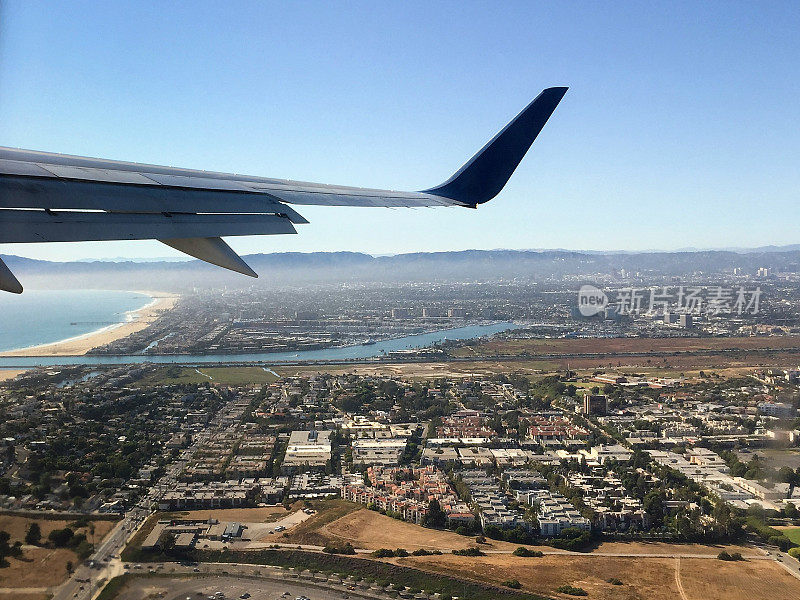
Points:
x=105 y=563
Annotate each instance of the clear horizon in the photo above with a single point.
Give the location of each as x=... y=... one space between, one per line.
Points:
x=679 y=129
x=179 y=257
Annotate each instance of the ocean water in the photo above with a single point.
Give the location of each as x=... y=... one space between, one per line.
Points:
x=41 y=317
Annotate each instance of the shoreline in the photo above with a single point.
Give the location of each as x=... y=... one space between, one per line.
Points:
x=135 y=320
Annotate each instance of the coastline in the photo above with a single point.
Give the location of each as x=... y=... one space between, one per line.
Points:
x=135 y=320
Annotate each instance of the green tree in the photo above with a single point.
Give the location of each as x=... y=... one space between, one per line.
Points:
x=653 y=505
x=34 y=534
x=60 y=537
x=787 y=475
x=166 y=541
x=435 y=517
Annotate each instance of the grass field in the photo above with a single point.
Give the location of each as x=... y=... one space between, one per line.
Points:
x=793 y=533
x=219 y=375
x=41 y=567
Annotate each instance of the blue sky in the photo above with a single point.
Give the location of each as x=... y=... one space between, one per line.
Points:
x=681 y=127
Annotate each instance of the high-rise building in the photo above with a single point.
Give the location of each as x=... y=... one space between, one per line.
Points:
x=686 y=321
x=595 y=404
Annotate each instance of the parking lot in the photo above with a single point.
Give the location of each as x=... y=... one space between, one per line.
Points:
x=231 y=588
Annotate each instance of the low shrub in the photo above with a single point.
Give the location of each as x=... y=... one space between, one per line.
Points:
x=469 y=552
x=523 y=551
x=346 y=549
x=571 y=590
x=423 y=552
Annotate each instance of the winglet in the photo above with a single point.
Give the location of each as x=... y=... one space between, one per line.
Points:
x=8 y=283
x=211 y=250
x=485 y=174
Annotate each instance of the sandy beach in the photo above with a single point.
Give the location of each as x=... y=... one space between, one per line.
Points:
x=136 y=321
x=10 y=373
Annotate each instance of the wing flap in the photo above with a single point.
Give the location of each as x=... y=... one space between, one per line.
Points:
x=58 y=194
x=211 y=250
x=8 y=283
x=21 y=226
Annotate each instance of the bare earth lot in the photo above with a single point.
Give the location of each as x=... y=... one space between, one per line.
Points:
x=241 y=515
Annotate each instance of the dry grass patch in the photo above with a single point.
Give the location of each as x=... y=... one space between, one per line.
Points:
x=749 y=580
x=618 y=345
x=674 y=549
x=369 y=529
x=17 y=527
x=42 y=567
x=38 y=567
x=642 y=579
x=308 y=532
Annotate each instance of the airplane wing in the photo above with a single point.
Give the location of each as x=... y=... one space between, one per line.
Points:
x=46 y=197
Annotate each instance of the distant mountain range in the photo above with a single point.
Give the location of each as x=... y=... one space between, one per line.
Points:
x=291 y=268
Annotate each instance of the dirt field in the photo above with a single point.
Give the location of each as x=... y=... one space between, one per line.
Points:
x=642 y=578
x=41 y=567
x=653 y=580
x=369 y=529
x=619 y=345
x=664 y=548
x=750 y=580
x=725 y=365
x=427 y=370
x=17 y=527
x=662 y=353
x=310 y=530
x=242 y=515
